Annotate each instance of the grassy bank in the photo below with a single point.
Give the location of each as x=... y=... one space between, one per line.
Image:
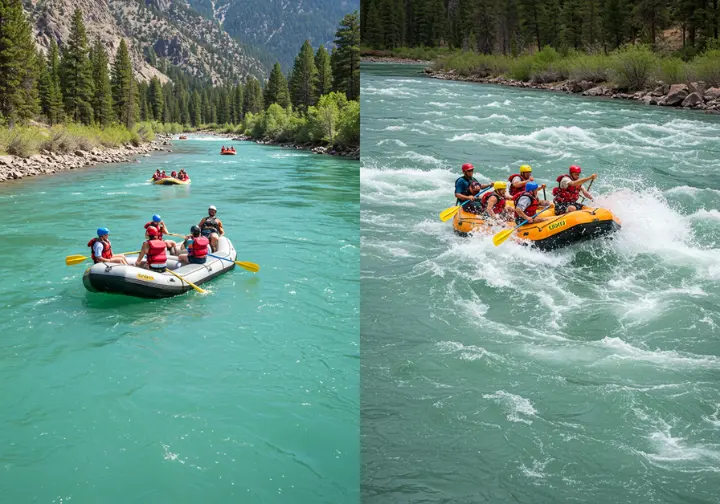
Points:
x=632 y=68
x=333 y=122
x=411 y=53
x=24 y=141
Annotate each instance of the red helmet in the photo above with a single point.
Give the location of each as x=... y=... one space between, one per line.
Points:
x=152 y=231
x=575 y=169
x=467 y=167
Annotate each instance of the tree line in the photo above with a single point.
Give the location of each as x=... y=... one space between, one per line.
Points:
x=510 y=26
x=78 y=83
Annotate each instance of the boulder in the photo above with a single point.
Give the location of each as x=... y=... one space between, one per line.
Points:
x=676 y=95
x=585 y=85
x=697 y=87
x=660 y=90
x=6 y=160
x=80 y=153
x=649 y=99
x=692 y=100
x=596 y=91
x=712 y=94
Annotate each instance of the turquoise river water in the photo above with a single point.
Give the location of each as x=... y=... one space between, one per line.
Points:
x=247 y=394
x=504 y=374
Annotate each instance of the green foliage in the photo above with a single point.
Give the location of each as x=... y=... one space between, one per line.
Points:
x=76 y=73
x=633 y=67
x=672 y=71
x=276 y=91
x=304 y=74
x=323 y=82
x=707 y=68
x=102 y=98
x=124 y=87
x=589 y=67
x=346 y=70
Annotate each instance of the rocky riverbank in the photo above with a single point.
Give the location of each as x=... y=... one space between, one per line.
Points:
x=45 y=163
x=330 y=151
x=695 y=95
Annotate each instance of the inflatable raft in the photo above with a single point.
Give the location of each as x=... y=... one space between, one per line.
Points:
x=140 y=282
x=171 y=181
x=227 y=152
x=553 y=233
x=183 y=137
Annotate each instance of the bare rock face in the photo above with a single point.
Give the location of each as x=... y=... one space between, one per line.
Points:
x=712 y=94
x=692 y=100
x=676 y=95
x=183 y=36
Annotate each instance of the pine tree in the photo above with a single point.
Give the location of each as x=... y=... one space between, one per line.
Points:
x=323 y=82
x=195 y=109
x=18 y=68
x=238 y=103
x=44 y=85
x=253 y=97
x=346 y=74
x=276 y=90
x=374 y=29
x=145 y=110
x=102 y=99
x=302 y=82
x=56 y=111
x=124 y=90
x=76 y=73
x=155 y=98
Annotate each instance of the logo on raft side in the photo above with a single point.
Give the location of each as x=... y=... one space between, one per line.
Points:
x=145 y=277
x=556 y=225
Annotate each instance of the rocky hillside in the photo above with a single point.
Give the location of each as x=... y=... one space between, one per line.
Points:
x=279 y=26
x=185 y=38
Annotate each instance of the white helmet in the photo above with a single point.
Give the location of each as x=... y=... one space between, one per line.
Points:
x=212 y=207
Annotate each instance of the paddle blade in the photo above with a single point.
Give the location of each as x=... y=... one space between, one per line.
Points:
x=248 y=266
x=449 y=213
x=72 y=260
x=502 y=236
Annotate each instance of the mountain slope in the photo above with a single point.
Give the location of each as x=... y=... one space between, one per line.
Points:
x=280 y=26
x=186 y=39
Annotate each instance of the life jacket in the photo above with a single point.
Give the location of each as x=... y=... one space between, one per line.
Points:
x=211 y=223
x=199 y=247
x=498 y=207
x=157 y=226
x=569 y=195
x=515 y=190
x=106 y=252
x=156 y=255
x=156 y=176
x=534 y=203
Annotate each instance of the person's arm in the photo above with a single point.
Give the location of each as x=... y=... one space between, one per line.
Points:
x=581 y=181
x=98 y=248
x=202 y=222
x=491 y=201
x=485 y=186
x=143 y=250
x=586 y=193
x=220 y=228
x=460 y=188
x=164 y=229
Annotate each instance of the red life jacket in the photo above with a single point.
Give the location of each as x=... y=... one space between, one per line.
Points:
x=498 y=207
x=569 y=195
x=156 y=255
x=199 y=247
x=106 y=253
x=515 y=190
x=534 y=203
x=156 y=225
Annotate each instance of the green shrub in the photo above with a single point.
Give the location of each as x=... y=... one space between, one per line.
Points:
x=349 y=125
x=672 y=71
x=588 y=67
x=633 y=66
x=521 y=68
x=707 y=68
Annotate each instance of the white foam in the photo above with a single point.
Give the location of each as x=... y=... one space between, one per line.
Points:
x=515 y=404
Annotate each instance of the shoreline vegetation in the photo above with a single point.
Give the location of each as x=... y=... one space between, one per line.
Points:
x=67 y=105
x=663 y=53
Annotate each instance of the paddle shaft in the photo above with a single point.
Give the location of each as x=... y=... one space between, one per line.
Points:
x=248 y=266
x=589 y=186
x=187 y=281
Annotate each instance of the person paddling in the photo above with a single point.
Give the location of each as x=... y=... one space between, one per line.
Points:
x=518 y=180
x=569 y=189
x=162 y=229
x=101 y=249
x=466 y=187
x=527 y=203
x=493 y=203
x=154 y=249
x=197 y=248
x=157 y=175
x=211 y=227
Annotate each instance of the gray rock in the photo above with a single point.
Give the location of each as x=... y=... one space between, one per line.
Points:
x=596 y=91
x=6 y=160
x=80 y=153
x=692 y=100
x=712 y=94
x=697 y=87
x=676 y=95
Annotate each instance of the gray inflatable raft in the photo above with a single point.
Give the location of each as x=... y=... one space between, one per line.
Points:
x=140 y=282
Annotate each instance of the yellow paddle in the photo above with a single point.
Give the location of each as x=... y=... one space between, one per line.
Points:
x=201 y=291
x=250 y=266
x=449 y=213
x=72 y=260
x=505 y=234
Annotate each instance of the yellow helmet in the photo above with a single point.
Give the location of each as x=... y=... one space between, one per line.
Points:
x=525 y=168
x=499 y=185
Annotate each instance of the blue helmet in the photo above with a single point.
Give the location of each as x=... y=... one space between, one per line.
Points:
x=531 y=186
x=103 y=231
x=156 y=218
